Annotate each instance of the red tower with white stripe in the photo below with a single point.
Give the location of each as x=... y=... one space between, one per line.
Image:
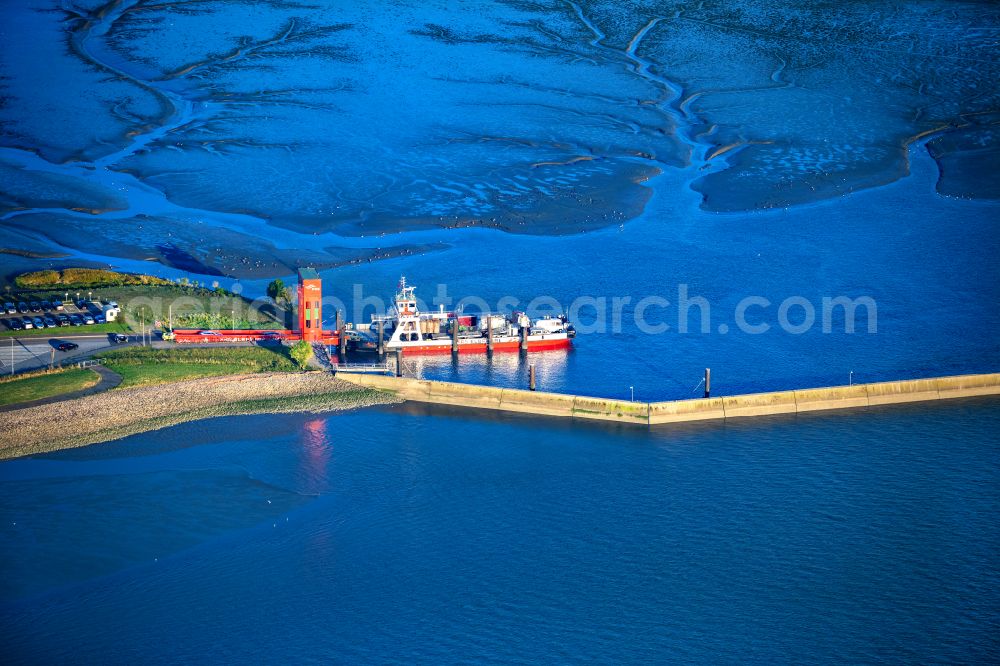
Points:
x=310 y=305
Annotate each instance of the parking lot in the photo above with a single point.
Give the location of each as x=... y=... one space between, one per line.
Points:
x=24 y=312
x=67 y=340
x=30 y=353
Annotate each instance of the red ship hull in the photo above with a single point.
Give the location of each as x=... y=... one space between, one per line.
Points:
x=480 y=347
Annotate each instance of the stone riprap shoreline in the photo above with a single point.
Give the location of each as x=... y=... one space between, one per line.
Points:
x=122 y=412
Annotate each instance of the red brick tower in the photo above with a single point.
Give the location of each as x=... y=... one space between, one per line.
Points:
x=310 y=305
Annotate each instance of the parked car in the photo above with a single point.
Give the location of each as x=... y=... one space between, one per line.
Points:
x=28 y=324
x=50 y=321
x=63 y=320
x=46 y=305
x=37 y=321
x=87 y=319
x=16 y=324
x=75 y=320
x=10 y=308
x=35 y=306
x=67 y=346
x=99 y=318
x=58 y=305
x=22 y=307
x=81 y=304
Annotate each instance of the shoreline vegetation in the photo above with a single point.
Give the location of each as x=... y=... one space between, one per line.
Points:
x=84 y=278
x=122 y=412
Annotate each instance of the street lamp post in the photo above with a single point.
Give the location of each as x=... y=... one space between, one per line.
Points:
x=632 y=390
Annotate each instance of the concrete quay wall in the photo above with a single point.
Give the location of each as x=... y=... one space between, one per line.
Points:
x=678 y=411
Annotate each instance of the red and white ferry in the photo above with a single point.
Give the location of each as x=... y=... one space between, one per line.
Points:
x=408 y=329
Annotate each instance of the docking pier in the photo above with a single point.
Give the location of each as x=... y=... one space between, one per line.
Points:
x=857 y=396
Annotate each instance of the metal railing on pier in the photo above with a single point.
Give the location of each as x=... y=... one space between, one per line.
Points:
x=355 y=368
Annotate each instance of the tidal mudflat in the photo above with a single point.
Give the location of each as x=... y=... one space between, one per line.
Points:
x=275 y=132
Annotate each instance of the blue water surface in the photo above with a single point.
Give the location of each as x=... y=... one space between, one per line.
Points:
x=265 y=133
x=270 y=135
x=930 y=265
x=390 y=537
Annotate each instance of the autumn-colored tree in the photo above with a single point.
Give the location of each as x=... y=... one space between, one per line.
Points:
x=301 y=352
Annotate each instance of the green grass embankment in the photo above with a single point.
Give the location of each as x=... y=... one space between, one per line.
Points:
x=147 y=367
x=45 y=385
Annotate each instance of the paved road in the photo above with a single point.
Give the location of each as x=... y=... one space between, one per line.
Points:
x=109 y=380
x=37 y=351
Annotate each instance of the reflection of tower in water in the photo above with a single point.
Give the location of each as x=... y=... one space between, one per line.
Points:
x=316 y=453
